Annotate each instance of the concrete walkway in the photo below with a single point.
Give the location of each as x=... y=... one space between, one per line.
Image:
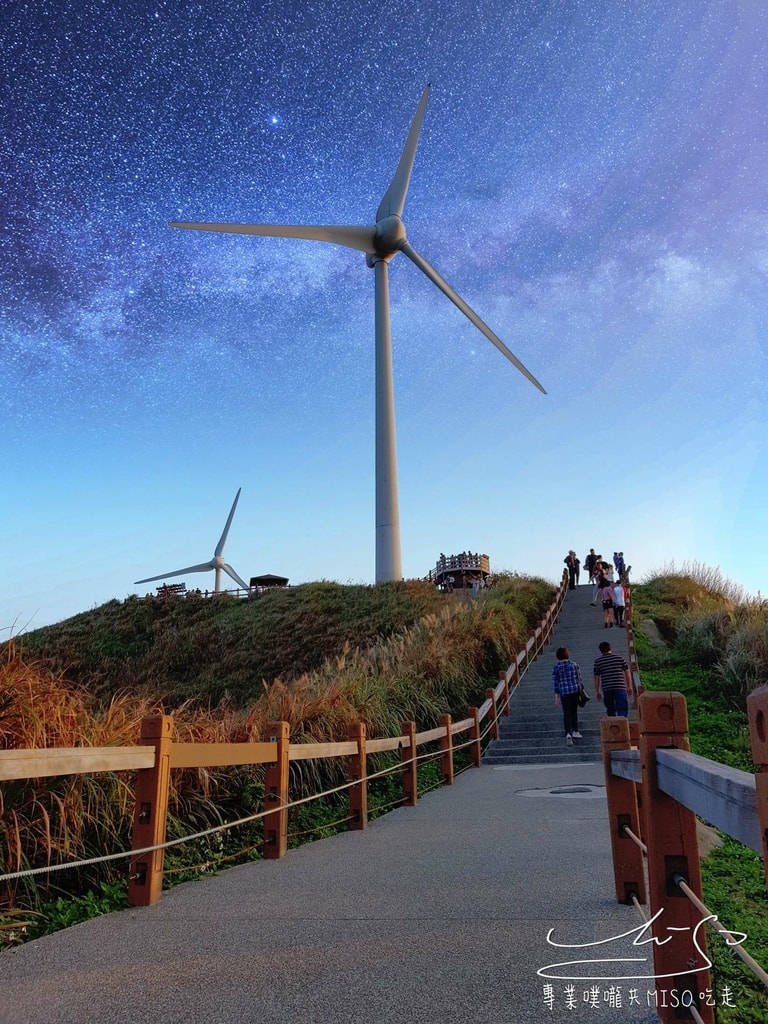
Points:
x=435 y=913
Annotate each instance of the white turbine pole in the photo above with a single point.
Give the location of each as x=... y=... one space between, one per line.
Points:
x=388 y=559
x=217 y=563
x=380 y=244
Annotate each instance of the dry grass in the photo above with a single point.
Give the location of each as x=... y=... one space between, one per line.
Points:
x=690 y=580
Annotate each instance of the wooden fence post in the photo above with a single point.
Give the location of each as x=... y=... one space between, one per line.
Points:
x=446 y=750
x=408 y=758
x=504 y=693
x=547 y=626
x=673 y=851
x=358 y=795
x=628 y=866
x=757 y=708
x=474 y=735
x=490 y=694
x=276 y=792
x=515 y=677
x=145 y=875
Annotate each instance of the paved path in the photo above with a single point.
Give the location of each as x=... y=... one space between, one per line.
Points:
x=435 y=913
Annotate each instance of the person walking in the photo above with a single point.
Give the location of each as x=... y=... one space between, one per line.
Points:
x=619 y=603
x=566 y=679
x=613 y=682
x=605 y=598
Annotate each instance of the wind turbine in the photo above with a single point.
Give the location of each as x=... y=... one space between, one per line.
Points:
x=380 y=243
x=217 y=562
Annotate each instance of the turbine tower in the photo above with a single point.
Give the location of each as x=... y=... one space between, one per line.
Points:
x=380 y=243
x=217 y=562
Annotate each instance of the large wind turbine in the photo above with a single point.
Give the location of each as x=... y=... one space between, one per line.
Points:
x=380 y=243
x=217 y=562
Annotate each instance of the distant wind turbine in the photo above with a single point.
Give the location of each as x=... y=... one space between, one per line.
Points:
x=217 y=562
x=380 y=243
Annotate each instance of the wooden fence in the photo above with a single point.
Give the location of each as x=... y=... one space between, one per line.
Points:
x=157 y=755
x=655 y=788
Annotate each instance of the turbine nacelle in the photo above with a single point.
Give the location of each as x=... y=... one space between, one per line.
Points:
x=388 y=238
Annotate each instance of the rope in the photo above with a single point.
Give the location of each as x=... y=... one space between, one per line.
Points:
x=732 y=943
x=635 y=839
x=212 y=863
x=214 y=830
x=87 y=862
x=695 y=1014
x=639 y=908
x=316 y=828
x=26 y=873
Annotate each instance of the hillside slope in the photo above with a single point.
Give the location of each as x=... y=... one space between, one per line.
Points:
x=197 y=648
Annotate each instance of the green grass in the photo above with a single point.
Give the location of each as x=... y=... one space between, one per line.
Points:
x=733 y=877
x=733 y=881
x=227 y=647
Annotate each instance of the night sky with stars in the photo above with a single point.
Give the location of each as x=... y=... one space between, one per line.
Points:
x=591 y=178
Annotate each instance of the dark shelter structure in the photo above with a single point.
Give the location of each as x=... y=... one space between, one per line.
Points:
x=268 y=580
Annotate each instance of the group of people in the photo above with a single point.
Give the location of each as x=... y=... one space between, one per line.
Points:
x=613 y=684
x=609 y=583
x=612 y=678
x=596 y=566
x=609 y=586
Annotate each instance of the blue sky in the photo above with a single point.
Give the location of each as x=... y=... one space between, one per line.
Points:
x=590 y=178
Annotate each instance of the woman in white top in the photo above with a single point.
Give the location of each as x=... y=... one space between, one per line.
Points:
x=619 y=603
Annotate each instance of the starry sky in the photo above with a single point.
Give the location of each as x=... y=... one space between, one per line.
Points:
x=591 y=178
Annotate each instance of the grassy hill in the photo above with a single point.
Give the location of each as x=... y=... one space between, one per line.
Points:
x=320 y=657
x=193 y=647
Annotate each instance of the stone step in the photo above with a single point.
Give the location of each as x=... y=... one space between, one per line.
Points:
x=567 y=755
x=546 y=743
x=532 y=732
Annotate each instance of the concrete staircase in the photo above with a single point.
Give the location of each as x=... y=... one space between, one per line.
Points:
x=532 y=733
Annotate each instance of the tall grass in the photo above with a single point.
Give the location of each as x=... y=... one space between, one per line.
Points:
x=714 y=624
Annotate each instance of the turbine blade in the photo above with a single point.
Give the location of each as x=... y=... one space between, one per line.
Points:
x=223 y=538
x=394 y=198
x=177 y=572
x=457 y=300
x=351 y=237
x=231 y=572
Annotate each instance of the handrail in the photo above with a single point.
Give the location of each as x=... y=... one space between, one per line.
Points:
x=45 y=762
x=157 y=754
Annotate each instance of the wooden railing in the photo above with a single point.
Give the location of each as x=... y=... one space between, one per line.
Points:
x=655 y=788
x=157 y=755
